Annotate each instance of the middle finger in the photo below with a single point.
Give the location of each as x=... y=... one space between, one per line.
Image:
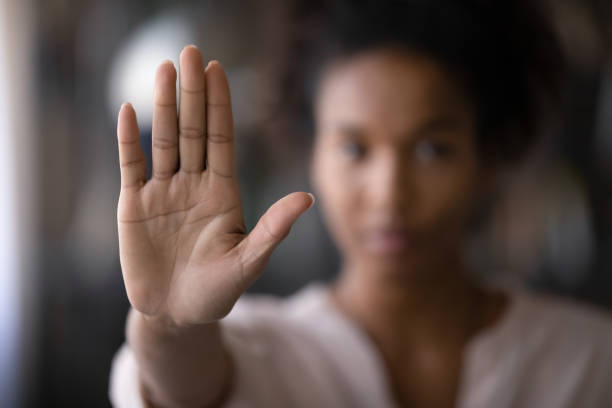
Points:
x=192 y=114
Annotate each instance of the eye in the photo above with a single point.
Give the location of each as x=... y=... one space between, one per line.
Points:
x=428 y=150
x=353 y=150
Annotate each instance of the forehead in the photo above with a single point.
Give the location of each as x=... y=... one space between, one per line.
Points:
x=388 y=90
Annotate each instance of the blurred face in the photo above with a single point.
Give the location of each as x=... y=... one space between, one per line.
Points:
x=395 y=163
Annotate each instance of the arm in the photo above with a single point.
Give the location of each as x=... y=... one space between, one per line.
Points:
x=185 y=254
x=179 y=368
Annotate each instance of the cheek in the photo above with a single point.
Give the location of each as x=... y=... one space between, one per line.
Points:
x=447 y=199
x=338 y=195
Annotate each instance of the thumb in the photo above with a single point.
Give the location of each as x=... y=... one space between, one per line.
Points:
x=271 y=229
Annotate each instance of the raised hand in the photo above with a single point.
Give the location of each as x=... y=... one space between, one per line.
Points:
x=185 y=253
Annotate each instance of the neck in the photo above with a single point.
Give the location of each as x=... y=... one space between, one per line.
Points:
x=418 y=309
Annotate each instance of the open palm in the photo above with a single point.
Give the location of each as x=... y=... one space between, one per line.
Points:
x=185 y=253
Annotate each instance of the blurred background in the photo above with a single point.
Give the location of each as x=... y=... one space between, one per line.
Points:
x=65 y=68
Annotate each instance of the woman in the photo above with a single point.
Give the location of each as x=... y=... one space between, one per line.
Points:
x=416 y=106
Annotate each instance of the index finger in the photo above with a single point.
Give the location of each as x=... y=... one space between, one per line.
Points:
x=131 y=157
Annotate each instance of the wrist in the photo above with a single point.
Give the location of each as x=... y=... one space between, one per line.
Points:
x=163 y=326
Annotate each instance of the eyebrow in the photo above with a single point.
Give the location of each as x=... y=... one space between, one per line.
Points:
x=437 y=124
x=349 y=129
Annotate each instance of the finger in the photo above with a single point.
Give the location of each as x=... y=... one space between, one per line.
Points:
x=165 y=144
x=220 y=125
x=271 y=229
x=131 y=157
x=192 y=116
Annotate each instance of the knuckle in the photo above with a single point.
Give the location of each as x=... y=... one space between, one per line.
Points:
x=132 y=163
x=219 y=137
x=221 y=174
x=198 y=91
x=129 y=142
x=268 y=232
x=191 y=132
x=163 y=174
x=163 y=143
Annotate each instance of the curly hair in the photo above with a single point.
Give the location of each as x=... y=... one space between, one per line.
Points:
x=504 y=52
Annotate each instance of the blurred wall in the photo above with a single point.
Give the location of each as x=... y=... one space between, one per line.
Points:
x=18 y=169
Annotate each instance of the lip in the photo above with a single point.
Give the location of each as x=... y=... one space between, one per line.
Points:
x=389 y=241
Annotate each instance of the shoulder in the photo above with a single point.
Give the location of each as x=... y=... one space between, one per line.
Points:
x=561 y=320
x=546 y=351
x=534 y=322
x=554 y=332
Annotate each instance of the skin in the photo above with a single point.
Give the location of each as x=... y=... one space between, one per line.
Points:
x=397 y=174
x=396 y=170
x=185 y=254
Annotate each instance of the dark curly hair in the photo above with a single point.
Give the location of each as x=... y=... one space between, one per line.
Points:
x=504 y=53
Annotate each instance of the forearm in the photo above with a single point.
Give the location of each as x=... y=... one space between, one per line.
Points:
x=179 y=367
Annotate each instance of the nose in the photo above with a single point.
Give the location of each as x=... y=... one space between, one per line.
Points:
x=389 y=187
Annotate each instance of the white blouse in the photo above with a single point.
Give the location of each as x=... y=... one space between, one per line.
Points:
x=301 y=351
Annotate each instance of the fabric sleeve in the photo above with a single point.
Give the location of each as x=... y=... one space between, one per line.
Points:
x=124 y=389
x=282 y=356
x=248 y=335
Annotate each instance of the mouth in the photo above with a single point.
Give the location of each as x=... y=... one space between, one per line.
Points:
x=389 y=241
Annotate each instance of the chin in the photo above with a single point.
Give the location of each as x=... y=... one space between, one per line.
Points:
x=404 y=266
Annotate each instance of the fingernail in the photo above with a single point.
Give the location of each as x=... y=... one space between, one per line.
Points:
x=313 y=200
x=124 y=105
x=192 y=46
